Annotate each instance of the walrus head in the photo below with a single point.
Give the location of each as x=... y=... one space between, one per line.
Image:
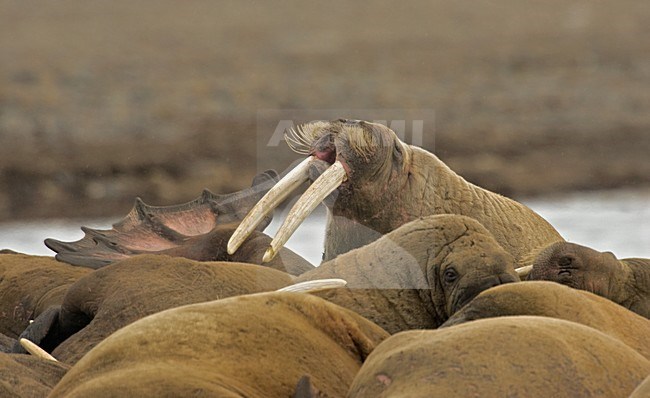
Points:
x=364 y=149
x=419 y=274
x=579 y=267
x=469 y=264
x=355 y=158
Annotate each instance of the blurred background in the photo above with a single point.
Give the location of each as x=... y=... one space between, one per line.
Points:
x=101 y=102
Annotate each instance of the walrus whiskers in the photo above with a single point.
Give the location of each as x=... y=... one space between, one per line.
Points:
x=36 y=350
x=331 y=179
x=296 y=143
x=270 y=201
x=317 y=285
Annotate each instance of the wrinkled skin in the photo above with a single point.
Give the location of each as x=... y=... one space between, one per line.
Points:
x=119 y=294
x=625 y=282
x=28 y=286
x=556 y=301
x=197 y=230
x=502 y=357
x=390 y=183
x=28 y=376
x=418 y=275
x=255 y=346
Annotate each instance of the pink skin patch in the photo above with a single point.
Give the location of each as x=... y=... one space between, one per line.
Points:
x=330 y=157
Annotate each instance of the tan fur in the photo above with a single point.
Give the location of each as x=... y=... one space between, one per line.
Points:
x=255 y=346
x=28 y=286
x=500 y=357
x=28 y=376
x=396 y=281
x=401 y=182
x=122 y=293
x=518 y=229
x=643 y=390
x=558 y=301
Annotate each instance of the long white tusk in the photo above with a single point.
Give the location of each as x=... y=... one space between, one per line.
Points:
x=314 y=286
x=36 y=350
x=324 y=185
x=523 y=271
x=269 y=202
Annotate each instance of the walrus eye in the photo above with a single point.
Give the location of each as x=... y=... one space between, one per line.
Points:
x=450 y=275
x=564 y=272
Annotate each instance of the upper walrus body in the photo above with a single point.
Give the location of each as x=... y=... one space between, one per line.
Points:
x=418 y=275
x=373 y=183
x=520 y=356
x=423 y=185
x=625 y=282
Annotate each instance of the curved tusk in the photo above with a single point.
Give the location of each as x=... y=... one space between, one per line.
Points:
x=314 y=286
x=324 y=185
x=523 y=271
x=36 y=350
x=269 y=202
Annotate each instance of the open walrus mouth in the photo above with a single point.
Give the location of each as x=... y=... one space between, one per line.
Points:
x=326 y=144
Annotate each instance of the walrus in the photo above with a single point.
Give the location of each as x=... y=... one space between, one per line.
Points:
x=372 y=183
x=414 y=277
x=197 y=230
x=28 y=286
x=542 y=298
x=625 y=282
x=257 y=345
x=419 y=274
x=643 y=390
x=28 y=376
x=121 y=293
x=6 y=343
x=519 y=356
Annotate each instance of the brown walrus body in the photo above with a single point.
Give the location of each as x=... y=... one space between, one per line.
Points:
x=119 y=294
x=28 y=376
x=518 y=356
x=553 y=300
x=625 y=282
x=255 y=346
x=416 y=276
x=412 y=183
x=28 y=286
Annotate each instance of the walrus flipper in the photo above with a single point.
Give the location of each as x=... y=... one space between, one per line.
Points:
x=154 y=229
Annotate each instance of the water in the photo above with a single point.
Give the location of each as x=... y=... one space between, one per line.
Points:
x=617 y=221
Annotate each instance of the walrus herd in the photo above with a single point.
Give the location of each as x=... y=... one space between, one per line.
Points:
x=429 y=286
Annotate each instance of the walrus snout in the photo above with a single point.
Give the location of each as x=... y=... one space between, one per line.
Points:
x=353 y=150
